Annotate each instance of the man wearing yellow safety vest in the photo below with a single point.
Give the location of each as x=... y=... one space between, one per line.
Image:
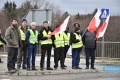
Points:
x=76 y=48
x=46 y=45
x=22 y=51
x=66 y=35
x=32 y=43
x=2 y=42
x=58 y=40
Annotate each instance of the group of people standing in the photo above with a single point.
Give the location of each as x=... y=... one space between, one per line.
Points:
x=23 y=41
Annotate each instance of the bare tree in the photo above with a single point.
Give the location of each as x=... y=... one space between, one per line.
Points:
x=37 y=4
x=57 y=13
x=46 y=5
x=24 y=8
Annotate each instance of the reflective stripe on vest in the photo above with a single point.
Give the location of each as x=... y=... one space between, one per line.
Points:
x=48 y=41
x=78 y=44
x=66 y=38
x=33 y=37
x=59 y=41
x=23 y=36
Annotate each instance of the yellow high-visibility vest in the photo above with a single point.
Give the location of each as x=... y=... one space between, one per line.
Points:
x=1 y=43
x=66 y=38
x=33 y=37
x=59 y=41
x=48 y=41
x=23 y=36
x=78 y=44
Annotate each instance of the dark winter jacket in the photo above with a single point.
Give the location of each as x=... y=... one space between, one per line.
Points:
x=41 y=37
x=73 y=40
x=89 y=40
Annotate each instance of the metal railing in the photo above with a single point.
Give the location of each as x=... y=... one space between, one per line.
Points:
x=111 y=50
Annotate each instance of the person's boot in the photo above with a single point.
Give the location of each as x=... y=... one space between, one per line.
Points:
x=87 y=67
x=1 y=61
x=42 y=69
x=28 y=69
x=74 y=68
x=34 y=69
x=24 y=67
x=49 y=68
x=78 y=67
x=12 y=71
x=92 y=67
x=55 y=67
x=63 y=68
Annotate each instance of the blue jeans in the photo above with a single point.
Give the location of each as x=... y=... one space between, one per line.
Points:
x=32 y=50
x=90 y=52
x=76 y=57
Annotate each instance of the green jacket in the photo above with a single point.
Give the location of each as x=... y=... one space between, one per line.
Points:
x=13 y=37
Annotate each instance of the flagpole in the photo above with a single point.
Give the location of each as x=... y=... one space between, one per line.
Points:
x=88 y=24
x=84 y=32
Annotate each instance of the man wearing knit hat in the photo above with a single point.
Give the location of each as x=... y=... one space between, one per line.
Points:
x=32 y=43
x=22 y=51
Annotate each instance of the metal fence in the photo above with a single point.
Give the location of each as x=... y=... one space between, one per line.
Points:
x=109 y=50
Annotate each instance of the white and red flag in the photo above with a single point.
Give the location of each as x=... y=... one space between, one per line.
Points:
x=102 y=29
x=95 y=22
x=61 y=27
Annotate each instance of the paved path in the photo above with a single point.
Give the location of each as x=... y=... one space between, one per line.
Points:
x=59 y=74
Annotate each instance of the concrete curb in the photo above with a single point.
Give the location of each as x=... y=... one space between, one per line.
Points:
x=46 y=72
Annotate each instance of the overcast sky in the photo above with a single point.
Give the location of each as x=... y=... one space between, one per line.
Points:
x=81 y=6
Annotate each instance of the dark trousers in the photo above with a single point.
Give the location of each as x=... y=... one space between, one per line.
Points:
x=22 y=56
x=32 y=50
x=90 y=52
x=12 y=58
x=59 y=53
x=65 y=51
x=0 y=60
x=76 y=57
x=43 y=51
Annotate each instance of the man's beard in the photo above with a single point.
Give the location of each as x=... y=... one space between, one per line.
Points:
x=14 y=25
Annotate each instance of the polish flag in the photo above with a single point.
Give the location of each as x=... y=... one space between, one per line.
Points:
x=102 y=29
x=61 y=27
x=93 y=25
